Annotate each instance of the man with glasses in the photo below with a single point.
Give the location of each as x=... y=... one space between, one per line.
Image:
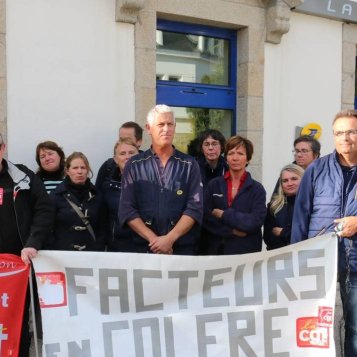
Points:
x=26 y=217
x=327 y=201
x=306 y=150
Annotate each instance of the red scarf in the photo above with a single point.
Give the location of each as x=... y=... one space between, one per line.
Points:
x=227 y=177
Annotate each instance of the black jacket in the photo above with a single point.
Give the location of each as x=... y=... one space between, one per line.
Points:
x=208 y=173
x=282 y=219
x=118 y=239
x=70 y=233
x=33 y=208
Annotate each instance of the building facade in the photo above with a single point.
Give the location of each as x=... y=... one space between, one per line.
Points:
x=74 y=70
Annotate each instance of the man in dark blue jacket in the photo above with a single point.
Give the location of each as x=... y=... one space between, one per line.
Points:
x=161 y=198
x=327 y=200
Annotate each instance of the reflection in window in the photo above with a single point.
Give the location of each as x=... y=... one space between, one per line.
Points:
x=192 y=58
x=190 y=122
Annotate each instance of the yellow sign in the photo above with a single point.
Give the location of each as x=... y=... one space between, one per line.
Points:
x=312 y=129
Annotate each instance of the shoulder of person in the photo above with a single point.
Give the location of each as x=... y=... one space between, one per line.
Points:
x=184 y=157
x=25 y=169
x=141 y=156
x=254 y=183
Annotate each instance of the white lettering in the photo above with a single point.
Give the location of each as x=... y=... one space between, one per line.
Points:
x=347 y=9
x=4 y=299
x=329 y=7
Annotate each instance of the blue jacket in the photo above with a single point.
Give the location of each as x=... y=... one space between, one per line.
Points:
x=118 y=239
x=320 y=200
x=246 y=214
x=69 y=230
x=161 y=199
x=282 y=219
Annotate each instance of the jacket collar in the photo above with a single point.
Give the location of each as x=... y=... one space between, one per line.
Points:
x=20 y=178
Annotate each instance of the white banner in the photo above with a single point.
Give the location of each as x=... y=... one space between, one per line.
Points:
x=276 y=303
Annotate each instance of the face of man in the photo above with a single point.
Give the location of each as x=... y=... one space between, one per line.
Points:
x=345 y=136
x=162 y=130
x=129 y=133
x=304 y=155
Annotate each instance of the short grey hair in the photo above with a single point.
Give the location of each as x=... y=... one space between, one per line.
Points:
x=158 y=109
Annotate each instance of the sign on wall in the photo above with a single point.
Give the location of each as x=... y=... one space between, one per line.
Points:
x=114 y=304
x=345 y=10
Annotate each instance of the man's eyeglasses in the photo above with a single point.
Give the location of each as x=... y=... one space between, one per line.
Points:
x=351 y=132
x=213 y=144
x=302 y=151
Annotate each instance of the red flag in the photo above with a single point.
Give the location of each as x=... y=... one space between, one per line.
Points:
x=14 y=274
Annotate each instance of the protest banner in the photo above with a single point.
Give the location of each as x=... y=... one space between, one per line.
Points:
x=14 y=275
x=276 y=303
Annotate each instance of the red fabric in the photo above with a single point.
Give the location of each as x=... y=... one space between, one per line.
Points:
x=14 y=274
x=228 y=179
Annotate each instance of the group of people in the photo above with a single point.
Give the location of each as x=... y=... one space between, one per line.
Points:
x=163 y=201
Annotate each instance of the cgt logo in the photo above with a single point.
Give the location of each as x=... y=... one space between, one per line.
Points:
x=310 y=334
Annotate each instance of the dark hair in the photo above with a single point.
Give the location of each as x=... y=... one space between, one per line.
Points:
x=138 y=130
x=214 y=134
x=78 y=155
x=237 y=140
x=49 y=145
x=315 y=144
x=193 y=147
x=348 y=113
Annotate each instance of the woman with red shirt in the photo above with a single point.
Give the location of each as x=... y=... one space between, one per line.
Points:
x=234 y=205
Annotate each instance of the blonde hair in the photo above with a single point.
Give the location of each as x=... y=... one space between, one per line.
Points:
x=79 y=155
x=279 y=199
x=128 y=141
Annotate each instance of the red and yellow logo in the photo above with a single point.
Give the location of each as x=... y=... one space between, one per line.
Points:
x=310 y=334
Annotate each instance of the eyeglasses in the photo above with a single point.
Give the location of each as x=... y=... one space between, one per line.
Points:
x=214 y=144
x=302 y=151
x=351 y=132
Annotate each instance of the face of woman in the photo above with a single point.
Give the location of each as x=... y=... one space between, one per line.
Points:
x=290 y=182
x=49 y=160
x=77 y=171
x=211 y=149
x=237 y=159
x=123 y=153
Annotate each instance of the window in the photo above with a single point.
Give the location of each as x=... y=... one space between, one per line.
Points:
x=196 y=76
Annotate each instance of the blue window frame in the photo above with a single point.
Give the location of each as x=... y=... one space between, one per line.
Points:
x=178 y=92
